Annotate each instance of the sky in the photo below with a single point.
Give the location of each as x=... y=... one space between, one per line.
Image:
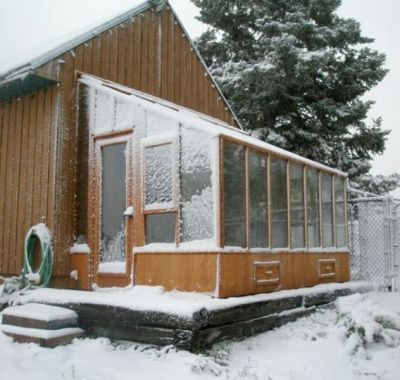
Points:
x=379 y=19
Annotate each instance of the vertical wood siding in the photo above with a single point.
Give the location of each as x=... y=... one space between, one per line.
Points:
x=150 y=53
x=38 y=133
x=27 y=152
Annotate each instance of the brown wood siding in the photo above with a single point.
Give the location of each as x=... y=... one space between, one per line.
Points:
x=27 y=155
x=38 y=139
x=150 y=53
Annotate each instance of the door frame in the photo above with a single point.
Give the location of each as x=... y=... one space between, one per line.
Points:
x=94 y=198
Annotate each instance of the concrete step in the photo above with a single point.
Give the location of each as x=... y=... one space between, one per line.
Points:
x=48 y=326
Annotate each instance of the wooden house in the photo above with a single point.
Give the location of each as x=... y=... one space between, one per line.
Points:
x=121 y=142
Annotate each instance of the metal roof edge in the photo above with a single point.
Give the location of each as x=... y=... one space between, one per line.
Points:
x=194 y=47
x=27 y=67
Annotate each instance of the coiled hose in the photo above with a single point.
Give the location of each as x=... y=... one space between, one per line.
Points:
x=41 y=277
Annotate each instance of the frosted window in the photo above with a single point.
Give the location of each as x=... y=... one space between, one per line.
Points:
x=279 y=204
x=234 y=195
x=197 y=196
x=105 y=112
x=297 y=220
x=258 y=177
x=160 y=228
x=340 y=212
x=113 y=202
x=158 y=177
x=157 y=124
x=313 y=224
x=124 y=115
x=327 y=211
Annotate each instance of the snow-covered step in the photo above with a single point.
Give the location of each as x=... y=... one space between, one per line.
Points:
x=46 y=325
x=45 y=338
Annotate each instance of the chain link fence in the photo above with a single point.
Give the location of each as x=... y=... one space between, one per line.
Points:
x=374 y=239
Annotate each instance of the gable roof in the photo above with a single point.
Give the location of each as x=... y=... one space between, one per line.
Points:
x=55 y=37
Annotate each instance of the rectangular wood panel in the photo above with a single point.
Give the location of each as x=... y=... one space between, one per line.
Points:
x=180 y=271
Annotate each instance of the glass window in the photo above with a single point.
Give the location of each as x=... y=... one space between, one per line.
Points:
x=234 y=195
x=160 y=228
x=327 y=211
x=340 y=212
x=258 y=178
x=297 y=239
x=197 y=185
x=279 y=204
x=158 y=178
x=113 y=202
x=313 y=225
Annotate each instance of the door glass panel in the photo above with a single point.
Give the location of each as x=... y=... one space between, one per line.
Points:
x=113 y=203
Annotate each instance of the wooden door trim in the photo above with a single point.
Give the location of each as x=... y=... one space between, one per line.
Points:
x=95 y=179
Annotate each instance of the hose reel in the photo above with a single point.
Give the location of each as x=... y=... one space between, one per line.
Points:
x=38 y=277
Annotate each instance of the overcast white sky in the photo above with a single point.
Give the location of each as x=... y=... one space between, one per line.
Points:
x=380 y=20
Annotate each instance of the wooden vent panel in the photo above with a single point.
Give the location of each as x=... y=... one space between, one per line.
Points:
x=327 y=268
x=267 y=272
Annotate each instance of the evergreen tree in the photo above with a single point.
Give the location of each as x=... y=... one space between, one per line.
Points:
x=379 y=184
x=295 y=73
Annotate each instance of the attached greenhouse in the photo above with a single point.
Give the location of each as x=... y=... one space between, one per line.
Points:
x=172 y=197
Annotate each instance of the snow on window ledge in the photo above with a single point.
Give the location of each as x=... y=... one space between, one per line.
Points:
x=112 y=267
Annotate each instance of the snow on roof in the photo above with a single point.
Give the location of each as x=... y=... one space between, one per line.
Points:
x=195 y=119
x=33 y=32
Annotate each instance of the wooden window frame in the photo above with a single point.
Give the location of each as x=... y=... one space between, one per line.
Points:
x=306 y=166
x=174 y=143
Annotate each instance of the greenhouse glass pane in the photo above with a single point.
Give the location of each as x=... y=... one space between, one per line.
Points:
x=234 y=195
x=279 y=203
x=340 y=212
x=160 y=228
x=327 y=211
x=258 y=178
x=313 y=224
x=297 y=229
x=158 y=177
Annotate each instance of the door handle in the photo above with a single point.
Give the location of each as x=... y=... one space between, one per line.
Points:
x=128 y=213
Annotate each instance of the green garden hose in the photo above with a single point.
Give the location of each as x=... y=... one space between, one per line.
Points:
x=42 y=276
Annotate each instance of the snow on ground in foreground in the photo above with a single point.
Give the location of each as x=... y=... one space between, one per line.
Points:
x=347 y=341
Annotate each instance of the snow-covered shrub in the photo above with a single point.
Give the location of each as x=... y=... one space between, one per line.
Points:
x=364 y=321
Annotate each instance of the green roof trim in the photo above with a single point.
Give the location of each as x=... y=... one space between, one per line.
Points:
x=23 y=86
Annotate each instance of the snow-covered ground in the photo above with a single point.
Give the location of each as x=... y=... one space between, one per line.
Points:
x=358 y=338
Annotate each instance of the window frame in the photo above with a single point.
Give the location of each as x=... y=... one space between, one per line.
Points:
x=171 y=139
x=306 y=166
x=304 y=203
